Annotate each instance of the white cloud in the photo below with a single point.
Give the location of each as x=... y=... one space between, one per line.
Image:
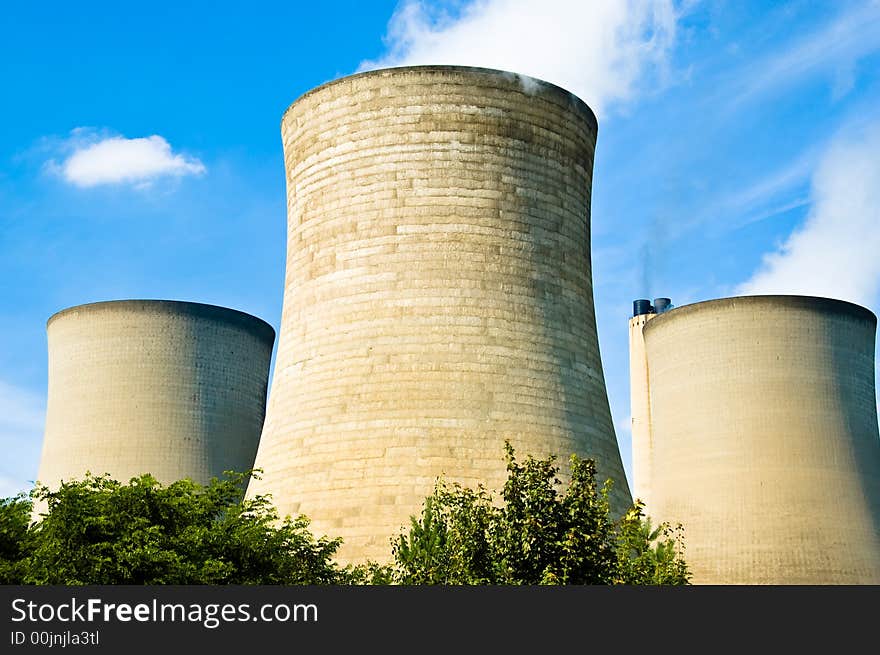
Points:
x=835 y=252
x=22 y=415
x=600 y=51
x=95 y=160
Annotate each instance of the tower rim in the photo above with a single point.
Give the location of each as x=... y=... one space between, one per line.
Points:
x=814 y=303
x=250 y=323
x=454 y=68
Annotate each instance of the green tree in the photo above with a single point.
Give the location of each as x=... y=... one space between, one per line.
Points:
x=99 y=531
x=649 y=555
x=536 y=534
x=369 y=573
x=449 y=543
x=14 y=519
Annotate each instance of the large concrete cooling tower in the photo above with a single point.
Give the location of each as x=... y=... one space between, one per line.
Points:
x=765 y=442
x=438 y=297
x=175 y=389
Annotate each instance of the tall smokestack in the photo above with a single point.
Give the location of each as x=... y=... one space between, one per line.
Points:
x=639 y=394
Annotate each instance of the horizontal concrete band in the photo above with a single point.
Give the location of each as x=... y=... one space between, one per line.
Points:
x=490 y=76
x=816 y=304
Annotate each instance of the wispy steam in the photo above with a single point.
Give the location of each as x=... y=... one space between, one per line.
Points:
x=604 y=52
x=835 y=252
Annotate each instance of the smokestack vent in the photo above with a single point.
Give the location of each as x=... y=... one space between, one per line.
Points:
x=662 y=305
x=642 y=306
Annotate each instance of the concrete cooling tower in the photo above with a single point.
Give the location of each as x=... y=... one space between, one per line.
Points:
x=764 y=441
x=438 y=297
x=175 y=389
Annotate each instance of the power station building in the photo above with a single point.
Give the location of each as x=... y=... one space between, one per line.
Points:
x=175 y=389
x=438 y=301
x=438 y=296
x=755 y=426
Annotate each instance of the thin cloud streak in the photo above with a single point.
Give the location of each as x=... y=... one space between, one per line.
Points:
x=772 y=194
x=833 y=50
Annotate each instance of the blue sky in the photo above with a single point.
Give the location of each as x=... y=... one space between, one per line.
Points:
x=140 y=156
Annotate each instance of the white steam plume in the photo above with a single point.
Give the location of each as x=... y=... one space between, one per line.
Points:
x=835 y=252
x=600 y=51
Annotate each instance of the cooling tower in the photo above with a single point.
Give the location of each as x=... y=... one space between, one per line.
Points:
x=175 y=389
x=765 y=442
x=438 y=296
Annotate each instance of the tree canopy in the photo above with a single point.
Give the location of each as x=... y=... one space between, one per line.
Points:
x=537 y=534
x=534 y=531
x=99 y=531
x=14 y=518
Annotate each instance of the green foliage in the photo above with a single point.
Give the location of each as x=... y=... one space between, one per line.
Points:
x=14 y=519
x=537 y=534
x=448 y=543
x=99 y=531
x=370 y=573
x=648 y=555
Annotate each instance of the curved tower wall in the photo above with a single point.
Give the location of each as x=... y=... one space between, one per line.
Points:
x=175 y=389
x=438 y=296
x=765 y=441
